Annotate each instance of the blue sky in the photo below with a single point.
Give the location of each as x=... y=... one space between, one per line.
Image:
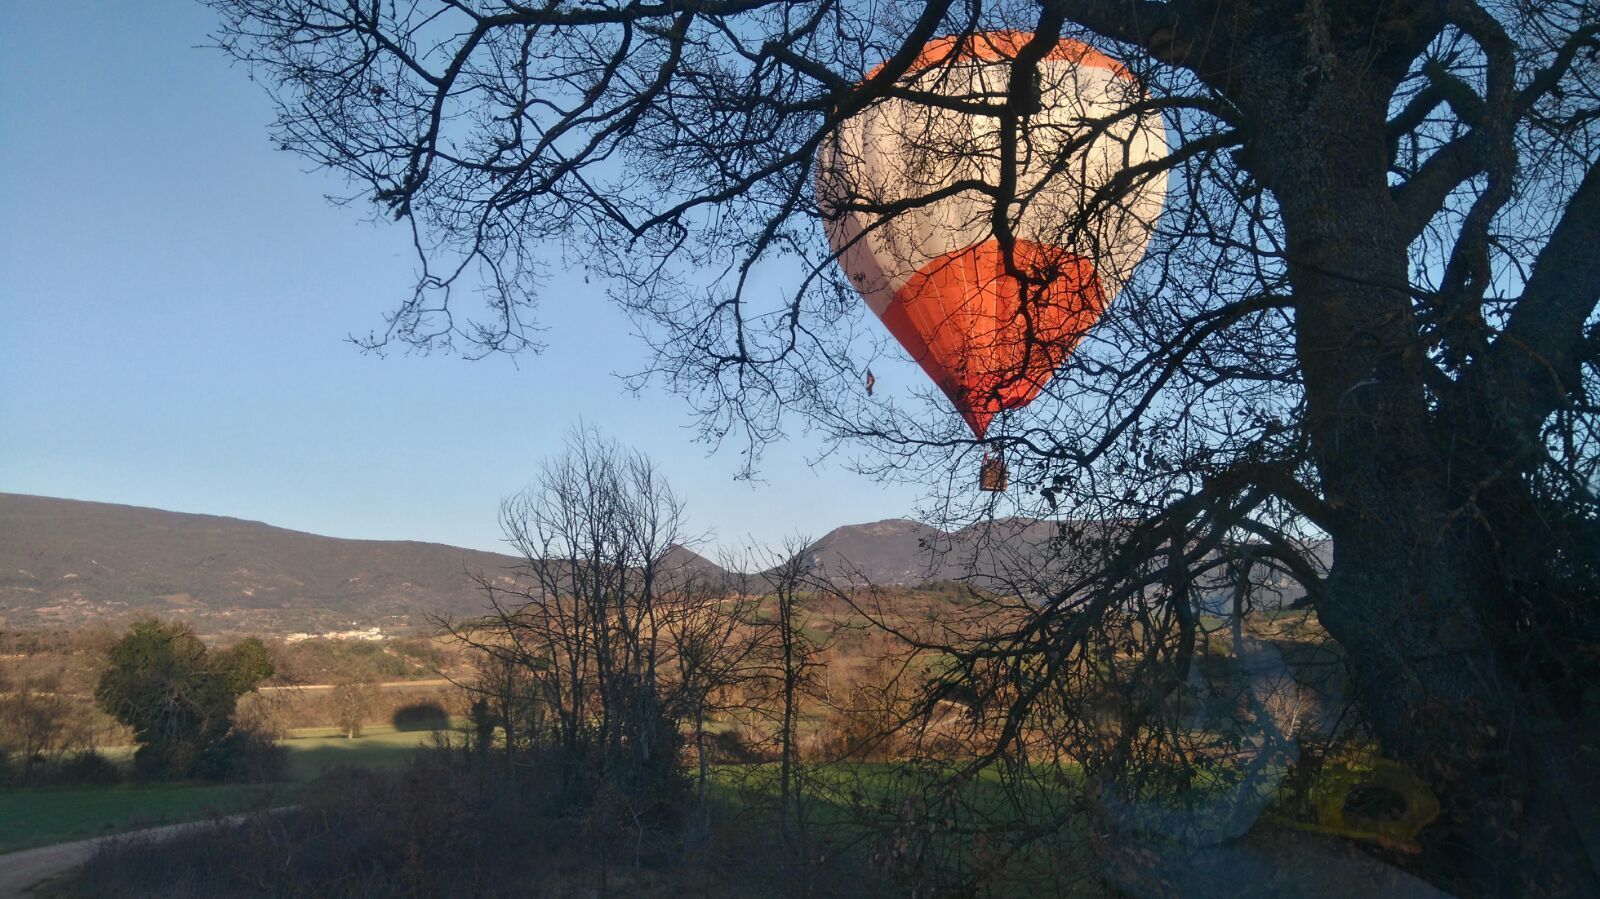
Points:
x=176 y=296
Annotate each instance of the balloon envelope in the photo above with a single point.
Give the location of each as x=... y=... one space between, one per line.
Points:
x=906 y=189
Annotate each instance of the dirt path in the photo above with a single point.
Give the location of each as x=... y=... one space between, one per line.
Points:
x=385 y=685
x=21 y=871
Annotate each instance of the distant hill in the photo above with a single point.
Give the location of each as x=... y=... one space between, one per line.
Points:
x=899 y=551
x=67 y=562
x=895 y=551
x=1025 y=556
x=64 y=563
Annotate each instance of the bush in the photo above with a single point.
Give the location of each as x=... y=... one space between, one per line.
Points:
x=859 y=733
x=88 y=768
x=254 y=757
x=421 y=716
x=729 y=748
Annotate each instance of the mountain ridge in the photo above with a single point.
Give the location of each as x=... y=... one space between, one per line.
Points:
x=66 y=562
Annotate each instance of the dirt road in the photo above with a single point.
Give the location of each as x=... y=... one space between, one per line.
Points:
x=385 y=685
x=21 y=871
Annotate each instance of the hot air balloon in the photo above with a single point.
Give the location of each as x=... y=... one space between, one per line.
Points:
x=906 y=188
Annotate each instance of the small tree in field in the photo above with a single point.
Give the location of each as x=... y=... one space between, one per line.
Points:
x=355 y=701
x=179 y=698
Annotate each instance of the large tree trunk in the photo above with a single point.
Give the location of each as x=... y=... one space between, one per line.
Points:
x=1407 y=592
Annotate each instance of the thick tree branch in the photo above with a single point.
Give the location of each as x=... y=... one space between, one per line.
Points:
x=1533 y=367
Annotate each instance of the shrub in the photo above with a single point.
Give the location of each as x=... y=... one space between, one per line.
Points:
x=729 y=748
x=358 y=833
x=87 y=768
x=254 y=756
x=84 y=768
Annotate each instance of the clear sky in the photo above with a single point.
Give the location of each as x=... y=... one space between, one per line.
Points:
x=175 y=297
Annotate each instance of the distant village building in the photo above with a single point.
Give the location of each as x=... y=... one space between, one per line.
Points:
x=371 y=633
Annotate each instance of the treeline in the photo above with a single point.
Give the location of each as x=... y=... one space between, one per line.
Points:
x=158 y=687
x=329 y=661
x=78 y=656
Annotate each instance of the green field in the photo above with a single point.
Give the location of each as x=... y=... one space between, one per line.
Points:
x=313 y=750
x=41 y=816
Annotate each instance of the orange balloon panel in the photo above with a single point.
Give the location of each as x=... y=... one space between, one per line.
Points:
x=989 y=340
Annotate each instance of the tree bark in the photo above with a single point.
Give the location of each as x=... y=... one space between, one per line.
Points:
x=1406 y=593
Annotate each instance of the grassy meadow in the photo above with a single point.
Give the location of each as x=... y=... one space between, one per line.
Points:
x=40 y=816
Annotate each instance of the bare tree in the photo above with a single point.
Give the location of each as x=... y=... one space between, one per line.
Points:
x=40 y=723
x=795 y=664
x=716 y=649
x=792 y=669
x=1367 y=314
x=508 y=690
x=611 y=643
